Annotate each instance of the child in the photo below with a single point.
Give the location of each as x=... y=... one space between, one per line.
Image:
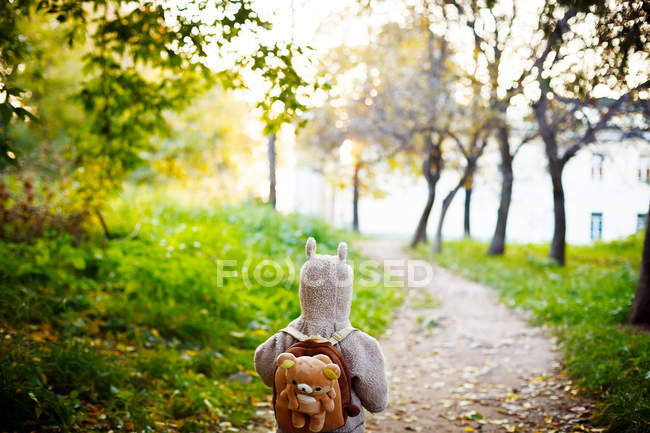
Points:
x=325 y=299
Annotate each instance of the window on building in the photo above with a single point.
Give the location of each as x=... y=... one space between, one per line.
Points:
x=597 y=162
x=643 y=173
x=640 y=221
x=596 y=226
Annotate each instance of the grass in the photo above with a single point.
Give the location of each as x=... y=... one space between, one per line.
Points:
x=587 y=303
x=424 y=301
x=141 y=333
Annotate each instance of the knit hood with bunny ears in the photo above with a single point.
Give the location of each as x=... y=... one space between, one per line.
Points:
x=326 y=288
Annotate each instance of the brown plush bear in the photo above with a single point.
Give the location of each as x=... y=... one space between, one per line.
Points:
x=311 y=383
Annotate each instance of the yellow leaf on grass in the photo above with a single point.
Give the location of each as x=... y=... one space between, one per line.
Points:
x=39 y=337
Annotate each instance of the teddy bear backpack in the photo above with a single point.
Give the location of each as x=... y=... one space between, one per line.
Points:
x=312 y=388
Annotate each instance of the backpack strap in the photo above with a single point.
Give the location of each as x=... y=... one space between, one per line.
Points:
x=295 y=333
x=341 y=334
x=337 y=337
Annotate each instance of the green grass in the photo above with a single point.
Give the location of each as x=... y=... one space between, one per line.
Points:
x=138 y=334
x=424 y=301
x=587 y=303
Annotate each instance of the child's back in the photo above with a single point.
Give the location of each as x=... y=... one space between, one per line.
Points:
x=325 y=299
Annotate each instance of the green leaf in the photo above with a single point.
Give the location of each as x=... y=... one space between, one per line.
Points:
x=6 y=112
x=124 y=394
x=78 y=262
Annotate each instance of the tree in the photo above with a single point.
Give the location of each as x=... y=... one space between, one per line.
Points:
x=34 y=187
x=463 y=119
x=491 y=25
x=355 y=155
x=507 y=154
x=282 y=103
x=138 y=64
x=471 y=146
x=417 y=127
x=432 y=167
x=640 y=312
x=408 y=101
x=569 y=114
x=282 y=92
x=619 y=32
x=338 y=148
x=344 y=129
x=118 y=36
x=437 y=115
x=271 y=152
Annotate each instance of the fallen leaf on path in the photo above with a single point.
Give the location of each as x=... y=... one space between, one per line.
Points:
x=448 y=416
x=472 y=415
x=577 y=409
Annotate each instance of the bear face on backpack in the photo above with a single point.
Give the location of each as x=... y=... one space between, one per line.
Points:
x=310 y=382
x=323 y=331
x=308 y=389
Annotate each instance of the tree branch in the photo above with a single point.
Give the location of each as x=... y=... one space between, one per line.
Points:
x=530 y=137
x=590 y=134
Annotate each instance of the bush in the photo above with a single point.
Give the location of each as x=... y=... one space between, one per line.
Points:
x=141 y=332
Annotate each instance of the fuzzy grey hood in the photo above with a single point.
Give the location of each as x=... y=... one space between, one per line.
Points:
x=326 y=287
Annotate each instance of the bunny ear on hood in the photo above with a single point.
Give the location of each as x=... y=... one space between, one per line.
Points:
x=342 y=251
x=310 y=247
x=326 y=287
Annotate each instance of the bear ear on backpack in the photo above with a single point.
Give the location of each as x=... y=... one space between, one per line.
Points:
x=332 y=371
x=286 y=360
x=324 y=358
x=310 y=247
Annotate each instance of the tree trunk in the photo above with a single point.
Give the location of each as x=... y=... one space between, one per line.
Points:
x=558 y=243
x=437 y=241
x=431 y=168
x=355 y=198
x=498 y=244
x=548 y=132
x=466 y=218
x=640 y=313
x=421 y=230
x=465 y=179
x=472 y=156
x=272 y=196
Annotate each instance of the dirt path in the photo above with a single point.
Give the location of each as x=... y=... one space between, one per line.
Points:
x=460 y=361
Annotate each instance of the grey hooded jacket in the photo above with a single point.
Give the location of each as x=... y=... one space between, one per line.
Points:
x=325 y=299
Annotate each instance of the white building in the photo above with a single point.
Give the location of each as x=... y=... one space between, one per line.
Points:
x=606 y=193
